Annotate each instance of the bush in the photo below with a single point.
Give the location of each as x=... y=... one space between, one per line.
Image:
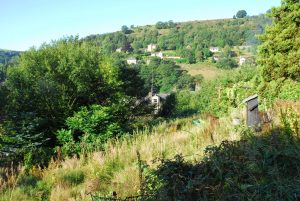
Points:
x=285 y=89
x=290 y=90
x=90 y=128
x=255 y=168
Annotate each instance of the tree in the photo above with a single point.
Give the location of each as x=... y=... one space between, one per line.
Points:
x=167 y=75
x=125 y=29
x=226 y=59
x=188 y=54
x=279 y=53
x=171 y=24
x=241 y=14
x=160 y=25
x=54 y=81
x=186 y=82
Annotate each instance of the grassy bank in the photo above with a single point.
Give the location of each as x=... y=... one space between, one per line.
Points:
x=116 y=168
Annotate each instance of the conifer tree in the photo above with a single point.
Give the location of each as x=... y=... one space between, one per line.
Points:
x=279 y=54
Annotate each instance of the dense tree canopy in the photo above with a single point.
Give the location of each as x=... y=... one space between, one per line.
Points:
x=226 y=59
x=7 y=56
x=197 y=36
x=165 y=76
x=279 y=53
x=50 y=83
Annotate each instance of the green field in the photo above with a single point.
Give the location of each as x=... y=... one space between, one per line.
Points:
x=208 y=71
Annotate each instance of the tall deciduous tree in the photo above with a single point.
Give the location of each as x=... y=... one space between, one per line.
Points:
x=54 y=81
x=279 y=54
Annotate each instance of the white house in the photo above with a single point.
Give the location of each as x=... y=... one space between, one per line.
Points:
x=214 y=49
x=119 y=50
x=172 y=57
x=242 y=60
x=131 y=61
x=216 y=57
x=151 y=47
x=157 y=100
x=158 y=54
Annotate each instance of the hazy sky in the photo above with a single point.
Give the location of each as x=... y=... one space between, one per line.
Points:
x=26 y=23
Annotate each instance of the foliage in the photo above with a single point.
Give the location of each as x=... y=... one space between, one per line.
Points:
x=189 y=55
x=255 y=168
x=165 y=25
x=279 y=53
x=52 y=82
x=168 y=106
x=217 y=96
x=241 y=14
x=163 y=73
x=115 y=167
x=90 y=128
x=124 y=29
x=285 y=89
x=187 y=82
x=7 y=56
x=198 y=36
x=226 y=60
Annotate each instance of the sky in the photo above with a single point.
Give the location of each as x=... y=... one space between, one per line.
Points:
x=27 y=23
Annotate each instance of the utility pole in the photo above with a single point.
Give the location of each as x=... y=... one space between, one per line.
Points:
x=152 y=82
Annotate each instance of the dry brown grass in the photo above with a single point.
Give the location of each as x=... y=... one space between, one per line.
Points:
x=116 y=168
x=285 y=105
x=208 y=71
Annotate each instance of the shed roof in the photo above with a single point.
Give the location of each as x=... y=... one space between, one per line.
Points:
x=163 y=96
x=250 y=98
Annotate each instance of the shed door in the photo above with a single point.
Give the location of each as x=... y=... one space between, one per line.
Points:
x=252 y=112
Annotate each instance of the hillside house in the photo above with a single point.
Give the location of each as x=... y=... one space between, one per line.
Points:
x=216 y=57
x=158 y=54
x=214 y=49
x=131 y=61
x=151 y=47
x=244 y=47
x=158 y=100
x=119 y=49
x=242 y=60
x=172 y=57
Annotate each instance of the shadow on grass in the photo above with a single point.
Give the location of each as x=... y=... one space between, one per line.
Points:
x=265 y=167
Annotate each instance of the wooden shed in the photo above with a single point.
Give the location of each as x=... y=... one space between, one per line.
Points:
x=252 y=116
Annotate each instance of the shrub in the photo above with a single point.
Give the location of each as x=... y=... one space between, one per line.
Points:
x=254 y=168
x=90 y=127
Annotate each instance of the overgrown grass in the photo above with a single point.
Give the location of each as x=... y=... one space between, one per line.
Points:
x=229 y=168
x=116 y=168
x=264 y=167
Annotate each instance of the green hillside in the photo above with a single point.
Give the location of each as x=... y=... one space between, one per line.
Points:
x=7 y=56
x=202 y=110
x=187 y=37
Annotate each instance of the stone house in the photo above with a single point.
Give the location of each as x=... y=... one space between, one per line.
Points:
x=131 y=61
x=151 y=47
